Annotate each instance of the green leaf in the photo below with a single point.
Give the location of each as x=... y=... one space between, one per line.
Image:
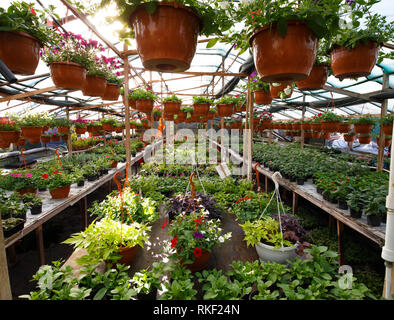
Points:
x=282 y=27
x=151 y=7
x=212 y=42
x=100 y=294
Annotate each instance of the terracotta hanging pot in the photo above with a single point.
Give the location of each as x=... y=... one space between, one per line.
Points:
x=112 y=92
x=289 y=58
x=181 y=116
x=128 y=254
x=363 y=127
x=316 y=126
x=94 y=86
x=349 y=138
x=343 y=127
x=274 y=90
x=21 y=142
x=262 y=97
x=199 y=263
x=55 y=138
x=296 y=126
x=45 y=139
x=31 y=132
x=266 y=124
x=356 y=62
x=63 y=129
x=20 y=52
x=307 y=134
x=388 y=129
x=4 y=145
x=329 y=126
x=107 y=126
x=316 y=79
x=316 y=134
x=306 y=126
x=225 y=110
x=80 y=130
x=387 y=142
x=172 y=107
x=60 y=193
x=325 y=135
x=10 y=136
x=168 y=117
x=364 y=139
x=145 y=105
x=167 y=39
x=70 y=76
x=201 y=109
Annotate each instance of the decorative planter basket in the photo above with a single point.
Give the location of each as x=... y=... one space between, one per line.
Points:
x=274 y=90
x=60 y=193
x=144 y=105
x=94 y=86
x=364 y=139
x=225 y=110
x=167 y=39
x=356 y=62
x=112 y=92
x=10 y=136
x=201 y=109
x=262 y=97
x=70 y=76
x=316 y=79
x=172 y=107
x=20 y=52
x=268 y=253
x=288 y=58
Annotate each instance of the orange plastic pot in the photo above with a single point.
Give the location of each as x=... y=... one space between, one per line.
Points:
x=364 y=139
x=172 y=107
x=20 y=52
x=225 y=110
x=349 y=138
x=128 y=255
x=325 y=135
x=356 y=62
x=167 y=39
x=344 y=127
x=144 y=105
x=80 y=130
x=274 y=90
x=329 y=126
x=363 y=128
x=289 y=58
x=60 y=193
x=64 y=129
x=199 y=263
x=112 y=92
x=201 y=109
x=31 y=132
x=45 y=139
x=10 y=136
x=262 y=97
x=70 y=76
x=316 y=79
x=388 y=129
x=94 y=86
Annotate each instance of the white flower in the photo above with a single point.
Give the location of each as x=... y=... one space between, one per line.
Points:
x=287 y=90
x=224 y=5
x=221 y=239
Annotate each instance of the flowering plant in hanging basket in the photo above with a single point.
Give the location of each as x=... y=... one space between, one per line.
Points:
x=172 y=104
x=261 y=89
x=193 y=237
x=350 y=136
x=364 y=138
x=145 y=99
x=157 y=113
x=330 y=121
x=114 y=82
x=387 y=124
x=108 y=123
x=9 y=131
x=80 y=126
x=55 y=136
x=31 y=125
x=201 y=105
x=62 y=124
x=363 y=125
x=23 y=31
x=186 y=110
x=225 y=106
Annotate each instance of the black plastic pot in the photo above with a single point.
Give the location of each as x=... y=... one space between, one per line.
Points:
x=355 y=214
x=318 y=190
x=374 y=221
x=42 y=189
x=81 y=183
x=383 y=218
x=332 y=200
x=326 y=197
x=147 y=296
x=93 y=177
x=292 y=179
x=342 y=205
x=36 y=209
x=300 y=181
x=14 y=229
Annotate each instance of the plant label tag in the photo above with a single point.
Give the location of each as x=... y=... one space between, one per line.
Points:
x=223 y=170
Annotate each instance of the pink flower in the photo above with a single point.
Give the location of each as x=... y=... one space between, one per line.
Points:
x=18 y=175
x=29 y=175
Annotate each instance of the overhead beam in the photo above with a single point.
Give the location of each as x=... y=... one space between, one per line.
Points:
x=27 y=94
x=195 y=73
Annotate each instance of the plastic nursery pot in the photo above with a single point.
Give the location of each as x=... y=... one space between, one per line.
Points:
x=199 y=263
x=10 y=136
x=63 y=129
x=288 y=58
x=356 y=62
x=167 y=39
x=147 y=296
x=262 y=97
x=300 y=181
x=355 y=214
x=60 y=193
x=374 y=221
x=329 y=126
x=274 y=90
x=94 y=86
x=201 y=109
x=20 y=52
x=225 y=110
x=342 y=205
x=316 y=79
x=112 y=92
x=81 y=183
x=171 y=107
x=144 y=105
x=36 y=210
x=268 y=253
x=18 y=227
x=363 y=127
x=31 y=132
x=364 y=139
x=343 y=127
x=68 y=75
x=388 y=129
x=128 y=254
x=349 y=138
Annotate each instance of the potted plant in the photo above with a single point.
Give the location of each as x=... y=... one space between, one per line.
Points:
x=193 y=239
x=225 y=106
x=364 y=138
x=55 y=136
x=344 y=125
x=185 y=113
x=114 y=82
x=69 y=61
x=146 y=282
x=387 y=124
x=23 y=181
x=9 y=131
x=80 y=126
x=201 y=105
x=172 y=105
x=31 y=127
x=12 y=225
x=174 y=27
x=33 y=203
x=281 y=90
x=108 y=124
x=23 y=32
x=157 y=113
x=350 y=136
x=110 y=241
x=330 y=121
x=45 y=138
x=59 y=184
x=144 y=99
x=374 y=211
x=363 y=125
x=261 y=89
x=61 y=124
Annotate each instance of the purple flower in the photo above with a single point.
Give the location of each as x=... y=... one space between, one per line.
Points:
x=198 y=235
x=350 y=2
x=252 y=74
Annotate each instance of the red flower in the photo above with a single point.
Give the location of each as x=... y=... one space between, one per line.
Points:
x=164 y=224
x=197 y=252
x=199 y=220
x=56 y=171
x=173 y=242
x=45 y=176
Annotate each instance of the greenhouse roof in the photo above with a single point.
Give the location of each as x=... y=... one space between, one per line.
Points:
x=352 y=97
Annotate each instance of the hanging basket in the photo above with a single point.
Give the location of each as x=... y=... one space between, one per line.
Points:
x=364 y=139
x=274 y=90
x=262 y=97
x=144 y=105
x=307 y=134
x=4 y=145
x=363 y=128
x=70 y=76
x=281 y=255
x=63 y=129
x=172 y=107
x=316 y=134
x=387 y=142
x=388 y=129
x=343 y=127
x=306 y=126
x=225 y=110
x=112 y=92
x=55 y=138
x=10 y=136
x=199 y=263
x=107 y=127
x=31 y=132
x=45 y=139
x=80 y=130
x=60 y=193
x=128 y=255
x=167 y=39
x=316 y=126
x=94 y=86
x=20 y=52
x=21 y=142
x=325 y=135
x=356 y=62
x=316 y=79
x=329 y=126
x=201 y=109
x=289 y=58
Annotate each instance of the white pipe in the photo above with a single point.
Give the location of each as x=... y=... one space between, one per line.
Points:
x=387 y=294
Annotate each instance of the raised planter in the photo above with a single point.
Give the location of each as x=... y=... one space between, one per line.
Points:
x=268 y=253
x=316 y=79
x=20 y=52
x=288 y=58
x=94 y=86
x=356 y=62
x=112 y=92
x=60 y=193
x=167 y=39
x=225 y=110
x=262 y=97
x=68 y=75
